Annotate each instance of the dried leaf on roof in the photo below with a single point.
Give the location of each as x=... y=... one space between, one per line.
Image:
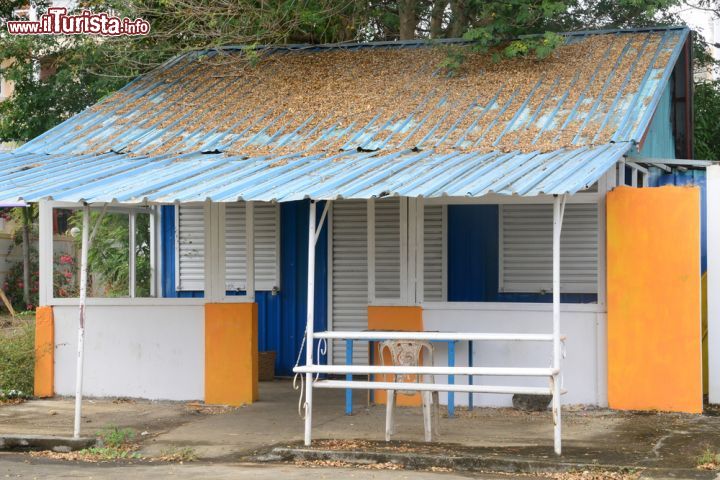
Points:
x=390 y=98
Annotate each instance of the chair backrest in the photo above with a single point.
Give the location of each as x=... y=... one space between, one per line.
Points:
x=406 y=353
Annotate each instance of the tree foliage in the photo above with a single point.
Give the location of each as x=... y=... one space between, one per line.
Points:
x=87 y=68
x=707 y=127
x=108 y=256
x=76 y=71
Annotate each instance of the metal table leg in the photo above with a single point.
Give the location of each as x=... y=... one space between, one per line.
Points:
x=470 y=378
x=451 y=379
x=348 y=377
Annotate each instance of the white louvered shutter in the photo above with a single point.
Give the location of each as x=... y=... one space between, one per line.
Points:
x=434 y=289
x=526 y=248
x=387 y=248
x=235 y=246
x=190 y=252
x=349 y=275
x=266 y=222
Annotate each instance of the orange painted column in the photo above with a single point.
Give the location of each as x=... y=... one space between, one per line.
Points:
x=653 y=296
x=44 y=384
x=231 y=353
x=404 y=319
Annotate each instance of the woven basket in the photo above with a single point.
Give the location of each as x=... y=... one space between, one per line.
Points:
x=266 y=366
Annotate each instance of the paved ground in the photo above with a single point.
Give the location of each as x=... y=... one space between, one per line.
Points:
x=590 y=436
x=17 y=466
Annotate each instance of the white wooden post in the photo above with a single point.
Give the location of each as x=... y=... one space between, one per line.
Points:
x=370 y=250
x=250 y=250
x=310 y=322
x=713 y=282
x=81 y=324
x=132 y=238
x=154 y=223
x=45 y=273
x=558 y=211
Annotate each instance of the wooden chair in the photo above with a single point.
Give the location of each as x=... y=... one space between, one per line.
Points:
x=411 y=353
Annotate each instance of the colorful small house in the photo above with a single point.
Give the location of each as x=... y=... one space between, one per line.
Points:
x=510 y=201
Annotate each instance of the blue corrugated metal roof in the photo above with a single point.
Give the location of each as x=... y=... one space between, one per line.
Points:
x=222 y=178
x=300 y=122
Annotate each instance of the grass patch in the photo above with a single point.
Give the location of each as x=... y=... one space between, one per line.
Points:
x=119 y=444
x=106 y=454
x=709 y=460
x=116 y=437
x=115 y=444
x=180 y=455
x=17 y=357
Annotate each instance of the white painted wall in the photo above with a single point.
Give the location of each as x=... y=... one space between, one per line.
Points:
x=154 y=352
x=584 y=368
x=713 y=281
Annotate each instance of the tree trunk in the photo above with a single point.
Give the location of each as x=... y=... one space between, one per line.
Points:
x=407 y=12
x=27 y=220
x=459 y=17
x=436 y=18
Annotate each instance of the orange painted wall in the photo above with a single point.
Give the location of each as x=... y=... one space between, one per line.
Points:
x=231 y=353
x=653 y=290
x=44 y=352
x=405 y=319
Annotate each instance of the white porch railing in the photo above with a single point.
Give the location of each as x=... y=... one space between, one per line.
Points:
x=312 y=371
x=552 y=373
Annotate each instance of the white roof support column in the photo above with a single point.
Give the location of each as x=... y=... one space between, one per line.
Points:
x=370 y=250
x=558 y=212
x=87 y=238
x=313 y=234
x=250 y=249
x=45 y=273
x=713 y=281
x=418 y=256
x=132 y=238
x=81 y=323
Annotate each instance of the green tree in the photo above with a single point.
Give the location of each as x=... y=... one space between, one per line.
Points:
x=707 y=127
x=24 y=220
x=86 y=68
x=108 y=257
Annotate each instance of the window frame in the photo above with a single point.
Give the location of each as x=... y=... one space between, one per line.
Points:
x=46 y=253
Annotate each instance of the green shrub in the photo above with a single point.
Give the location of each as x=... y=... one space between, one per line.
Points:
x=17 y=358
x=13 y=285
x=116 y=437
x=709 y=459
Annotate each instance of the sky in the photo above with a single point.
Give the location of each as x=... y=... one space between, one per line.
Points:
x=699 y=20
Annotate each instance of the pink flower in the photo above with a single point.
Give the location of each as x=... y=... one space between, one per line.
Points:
x=67 y=275
x=66 y=259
